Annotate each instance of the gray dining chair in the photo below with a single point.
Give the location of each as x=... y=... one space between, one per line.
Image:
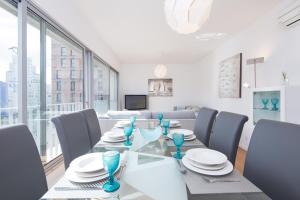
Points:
x=21 y=171
x=203 y=124
x=94 y=130
x=273 y=161
x=226 y=134
x=73 y=136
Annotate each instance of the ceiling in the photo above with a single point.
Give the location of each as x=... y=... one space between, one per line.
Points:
x=136 y=30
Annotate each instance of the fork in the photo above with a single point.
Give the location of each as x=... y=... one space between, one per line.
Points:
x=76 y=188
x=218 y=180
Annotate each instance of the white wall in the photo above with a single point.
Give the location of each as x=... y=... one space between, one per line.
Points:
x=265 y=38
x=69 y=17
x=134 y=80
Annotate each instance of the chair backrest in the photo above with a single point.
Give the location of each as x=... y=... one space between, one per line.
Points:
x=21 y=171
x=91 y=119
x=73 y=136
x=204 y=123
x=226 y=134
x=273 y=160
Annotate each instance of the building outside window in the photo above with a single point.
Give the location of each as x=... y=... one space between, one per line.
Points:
x=58 y=97
x=73 y=96
x=9 y=64
x=54 y=87
x=64 y=51
x=101 y=86
x=58 y=75
x=63 y=62
x=73 y=85
x=73 y=74
x=73 y=62
x=58 y=85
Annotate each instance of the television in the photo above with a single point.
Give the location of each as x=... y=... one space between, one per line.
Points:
x=135 y=102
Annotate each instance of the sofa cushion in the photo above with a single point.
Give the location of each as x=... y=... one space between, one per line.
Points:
x=127 y=114
x=175 y=115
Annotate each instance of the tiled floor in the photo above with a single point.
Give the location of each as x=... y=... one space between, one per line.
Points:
x=240 y=160
x=55 y=175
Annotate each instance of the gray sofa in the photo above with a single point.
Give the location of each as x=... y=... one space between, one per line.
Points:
x=186 y=118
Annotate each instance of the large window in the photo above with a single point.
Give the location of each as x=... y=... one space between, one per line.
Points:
x=64 y=91
x=8 y=64
x=105 y=87
x=113 y=87
x=56 y=79
x=34 y=79
x=101 y=86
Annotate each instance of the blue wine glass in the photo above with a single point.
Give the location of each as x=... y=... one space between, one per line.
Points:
x=111 y=161
x=274 y=101
x=160 y=117
x=178 y=140
x=127 y=132
x=166 y=125
x=265 y=102
x=132 y=120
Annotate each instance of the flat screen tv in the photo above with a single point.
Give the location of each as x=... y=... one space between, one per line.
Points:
x=135 y=102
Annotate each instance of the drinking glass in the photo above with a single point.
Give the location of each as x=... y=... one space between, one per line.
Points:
x=274 y=101
x=111 y=161
x=132 y=120
x=178 y=140
x=265 y=102
x=166 y=125
x=127 y=132
x=160 y=117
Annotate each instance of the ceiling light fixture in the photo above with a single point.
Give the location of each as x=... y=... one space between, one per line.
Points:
x=187 y=16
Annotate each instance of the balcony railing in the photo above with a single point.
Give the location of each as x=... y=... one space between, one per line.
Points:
x=39 y=122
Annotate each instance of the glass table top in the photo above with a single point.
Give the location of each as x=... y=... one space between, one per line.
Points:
x=152 y=173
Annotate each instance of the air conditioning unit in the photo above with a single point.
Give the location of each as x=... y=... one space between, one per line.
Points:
x=290 y=15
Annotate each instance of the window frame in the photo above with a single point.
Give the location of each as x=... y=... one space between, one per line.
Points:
x=25 y=8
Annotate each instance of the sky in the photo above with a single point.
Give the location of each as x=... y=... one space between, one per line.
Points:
x=9 y=38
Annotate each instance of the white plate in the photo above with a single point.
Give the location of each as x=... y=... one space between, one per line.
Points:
x=226 y=170
x=189 y=136
x=206 y=156
x=175 y=125
x=207 y=167
x=174 y=122
x=115 y=134
x=91 y=162
x=192 y=137
x=91 y=174
x=73 y=177
x=111 y=140
x=183 y=131
x=122 y=124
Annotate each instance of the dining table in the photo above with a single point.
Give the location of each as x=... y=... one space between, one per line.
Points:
x=151 y=173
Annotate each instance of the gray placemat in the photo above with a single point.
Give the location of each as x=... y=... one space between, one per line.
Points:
x=84 y=193
x=199 y=185
x=193 y=143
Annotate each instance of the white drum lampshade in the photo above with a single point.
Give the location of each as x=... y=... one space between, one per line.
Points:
x=160 y=71
x=187 y=16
